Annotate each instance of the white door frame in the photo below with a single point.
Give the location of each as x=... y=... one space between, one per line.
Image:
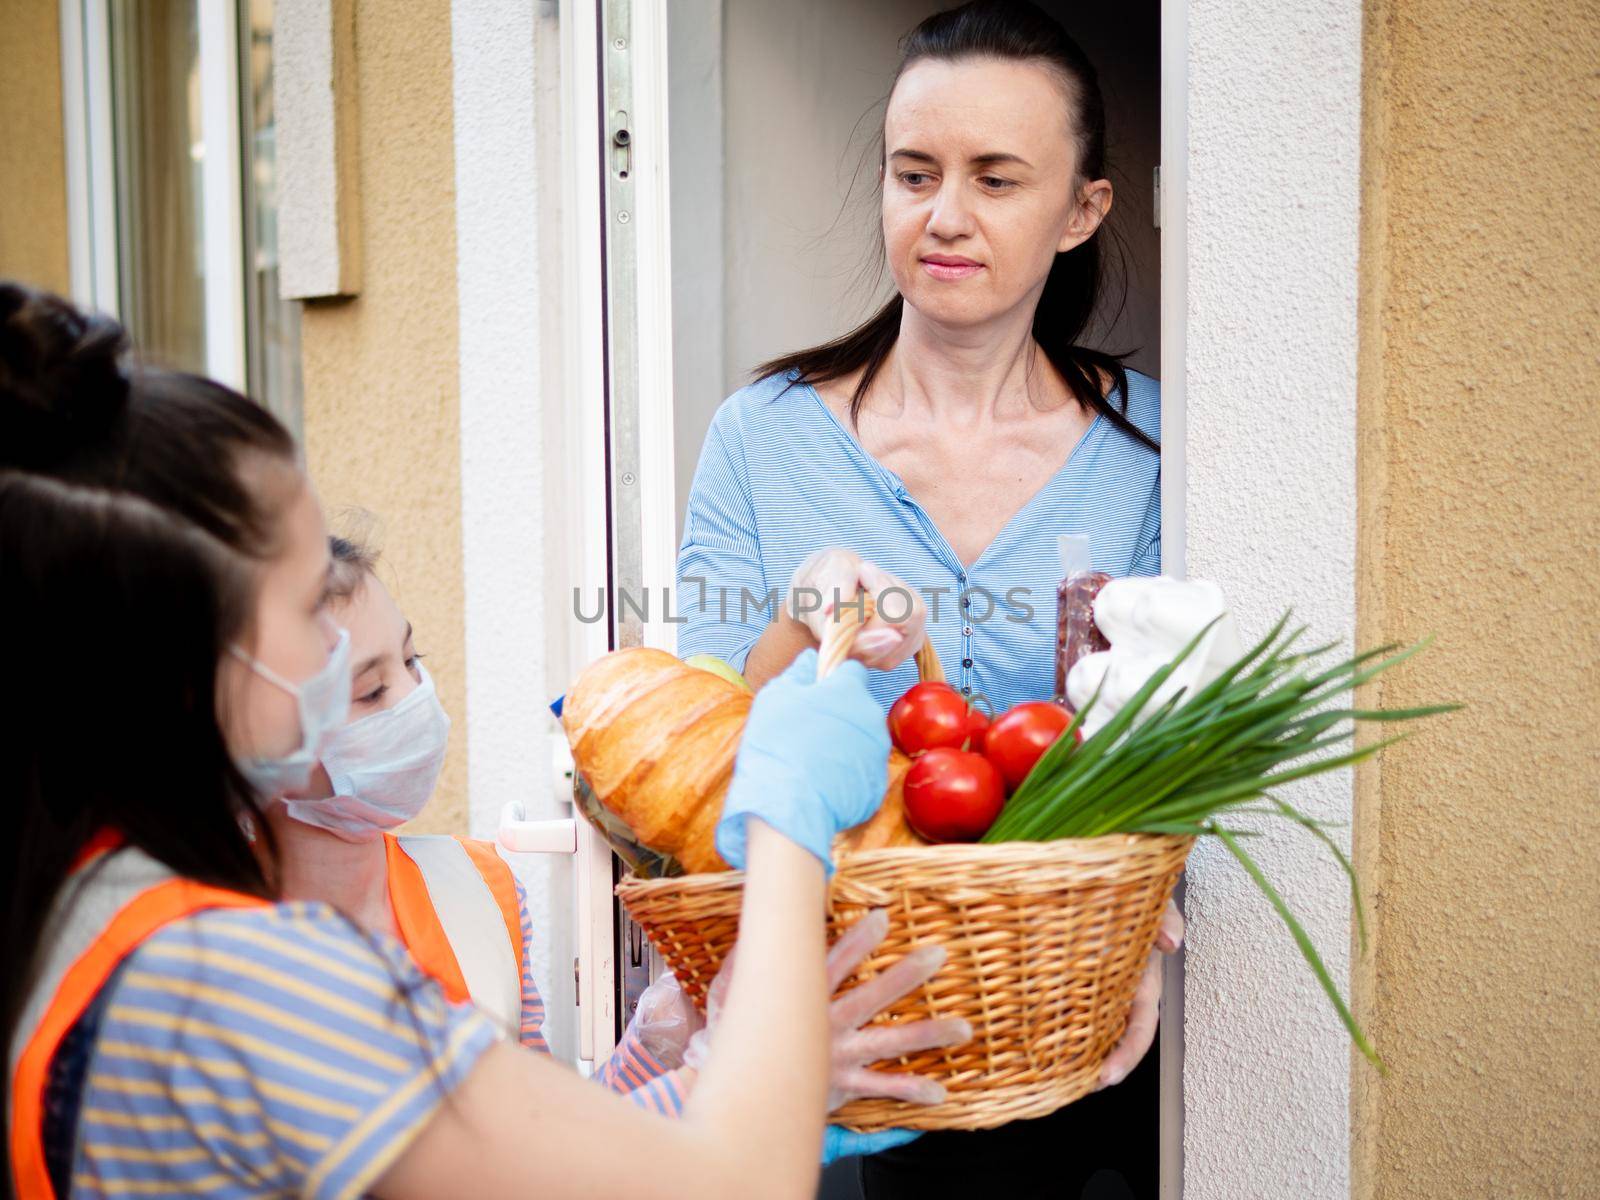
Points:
x=656 y=322
x=1172 y=207
x=585 y=377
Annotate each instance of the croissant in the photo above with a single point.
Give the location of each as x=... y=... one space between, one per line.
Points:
x=655 y=738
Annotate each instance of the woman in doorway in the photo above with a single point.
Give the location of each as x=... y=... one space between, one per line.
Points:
x=457 y=907
x=946 y=443
x=169 y=1028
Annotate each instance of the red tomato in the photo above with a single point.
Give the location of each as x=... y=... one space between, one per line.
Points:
x=953 y=795
x=1021 y=734
x=929 y=715
x=977 y=730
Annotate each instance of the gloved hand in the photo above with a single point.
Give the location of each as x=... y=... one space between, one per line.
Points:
x=853 y=1047
x=832 y=577
x=839 y=1142
x=857 y=1044
x=813 y=760
x=664 y=1020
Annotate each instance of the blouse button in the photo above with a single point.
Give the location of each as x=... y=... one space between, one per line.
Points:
x=967 y=631
x=966 y=662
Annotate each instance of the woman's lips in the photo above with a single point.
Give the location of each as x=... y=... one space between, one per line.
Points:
x=949 y=267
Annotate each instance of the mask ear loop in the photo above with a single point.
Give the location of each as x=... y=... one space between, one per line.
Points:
x=266 y=672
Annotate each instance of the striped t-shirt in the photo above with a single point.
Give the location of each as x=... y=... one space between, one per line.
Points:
x=781 y=477
x=243 y=1052
x=239 y=1052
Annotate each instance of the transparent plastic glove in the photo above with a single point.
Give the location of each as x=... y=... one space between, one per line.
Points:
x=1140 y=1034
x=664 y=1021
x=831 y=577
x=853 y=1048
x=839 y=1142
x=814 y=760
x=856 y=1044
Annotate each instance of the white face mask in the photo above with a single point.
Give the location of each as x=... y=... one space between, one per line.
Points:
x=383 y=767
x=323 y=702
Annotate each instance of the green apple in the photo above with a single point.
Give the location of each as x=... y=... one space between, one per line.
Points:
x=710 y=662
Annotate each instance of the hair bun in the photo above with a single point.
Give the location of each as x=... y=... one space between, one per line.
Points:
x=62 y=382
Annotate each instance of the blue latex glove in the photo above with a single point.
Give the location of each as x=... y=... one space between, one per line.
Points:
x=839 y=1142
x=814 y=760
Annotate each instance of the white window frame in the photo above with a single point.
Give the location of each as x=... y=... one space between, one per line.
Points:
x=87 y=128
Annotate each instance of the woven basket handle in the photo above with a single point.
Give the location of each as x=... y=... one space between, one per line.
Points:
x=840 y=637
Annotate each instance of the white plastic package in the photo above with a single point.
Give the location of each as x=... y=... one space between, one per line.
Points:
x=1148 y=623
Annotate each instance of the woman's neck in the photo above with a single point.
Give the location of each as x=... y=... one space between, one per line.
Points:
x=960 y=375
x=314 y=864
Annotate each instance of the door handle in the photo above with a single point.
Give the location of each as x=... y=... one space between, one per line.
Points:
x=521 y=836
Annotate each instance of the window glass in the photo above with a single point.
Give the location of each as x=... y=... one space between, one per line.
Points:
x=160 y=150
x=155 y=76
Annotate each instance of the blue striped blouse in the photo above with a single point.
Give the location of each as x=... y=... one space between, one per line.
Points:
x=780 y=477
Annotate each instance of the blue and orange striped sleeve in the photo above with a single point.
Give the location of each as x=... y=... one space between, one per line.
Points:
x=635 y=1073
x=531 y=1026
x=274 y=1050
x=631 y=1070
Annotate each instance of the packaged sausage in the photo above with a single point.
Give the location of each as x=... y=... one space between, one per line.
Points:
x=1076 y=632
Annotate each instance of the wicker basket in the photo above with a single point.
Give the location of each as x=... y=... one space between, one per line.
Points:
x=1045 y=944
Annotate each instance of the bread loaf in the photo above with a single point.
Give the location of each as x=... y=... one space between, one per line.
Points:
x=656 y=740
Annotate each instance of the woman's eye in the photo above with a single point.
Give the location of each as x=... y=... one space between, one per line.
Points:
x=913 y=178
x=374 y=695
x=411 y=663
x=995 y=183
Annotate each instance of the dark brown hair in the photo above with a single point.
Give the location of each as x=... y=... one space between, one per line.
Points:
x=130 y=531
x=1017 y=31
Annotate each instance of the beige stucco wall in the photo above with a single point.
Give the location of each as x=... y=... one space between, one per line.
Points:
x=1480 y=460
x=381 y=411
x=33 y=183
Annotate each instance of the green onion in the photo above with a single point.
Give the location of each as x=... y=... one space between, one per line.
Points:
x=1269 y=718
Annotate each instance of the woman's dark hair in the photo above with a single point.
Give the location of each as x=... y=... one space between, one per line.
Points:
x=1017 y=31
x=118 y=612
x=73 y=407
x=135 y=506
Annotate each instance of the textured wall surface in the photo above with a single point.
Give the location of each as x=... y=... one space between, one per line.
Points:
x=33 y=181
x=1274 y=128
x=382 y=419
x=1480 y=477
x=500 y=274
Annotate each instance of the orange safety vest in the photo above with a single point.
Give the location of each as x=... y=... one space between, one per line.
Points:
x=455 y=901
x=93 y=927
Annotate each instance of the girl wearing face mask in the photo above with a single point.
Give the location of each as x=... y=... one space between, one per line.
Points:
x=947 y=442
x=452 y=902
x=455 y=904
x=170 y=1028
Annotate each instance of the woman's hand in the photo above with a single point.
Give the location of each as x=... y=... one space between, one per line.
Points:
x=664 y=1020
x=831 y=578
x=1146 y=1015
x=813 y=760
x=854 y=1044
